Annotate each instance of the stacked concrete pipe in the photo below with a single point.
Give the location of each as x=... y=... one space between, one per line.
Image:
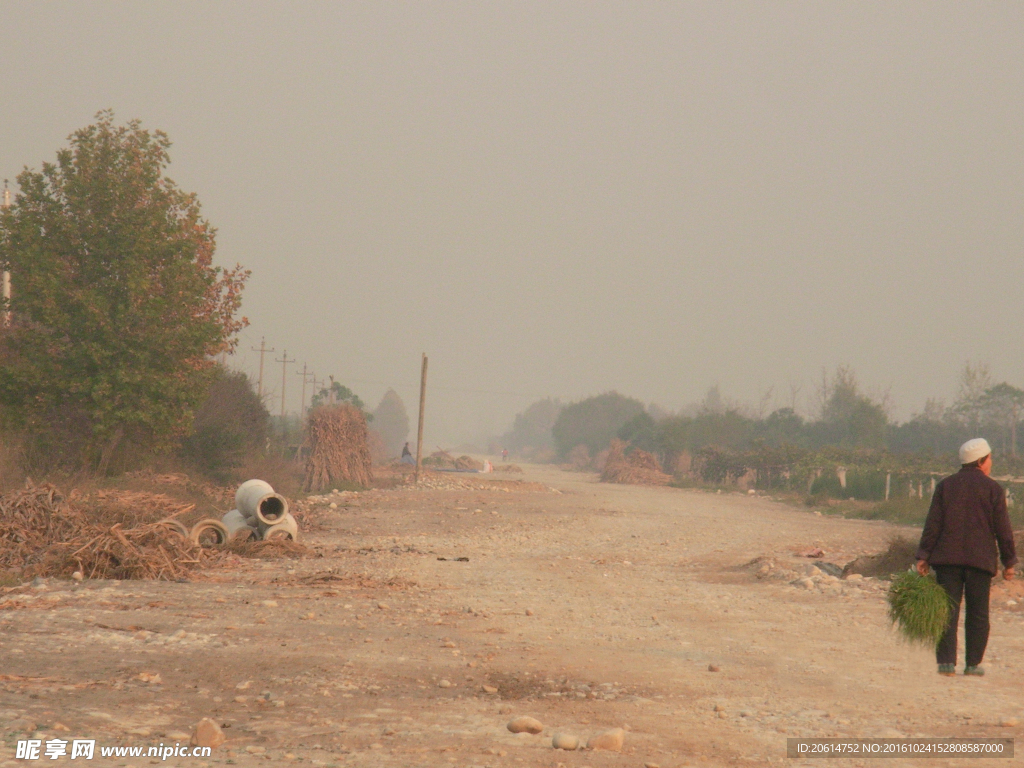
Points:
x=238 y=527
x=286 y=529
x=208 y=532
x=262 y=511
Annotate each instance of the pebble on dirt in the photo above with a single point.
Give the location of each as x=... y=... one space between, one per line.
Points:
x=444 y=684
x=525 y=725
x=208 y=734
x=565 y=741
x=609 y=740
x=713 y=668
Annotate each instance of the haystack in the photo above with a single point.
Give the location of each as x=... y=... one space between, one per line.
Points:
x=639 y=468
x=468 y=462
x=439 y=460
x=339 y=450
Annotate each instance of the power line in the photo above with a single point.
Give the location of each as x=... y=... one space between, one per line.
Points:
x=450 y=388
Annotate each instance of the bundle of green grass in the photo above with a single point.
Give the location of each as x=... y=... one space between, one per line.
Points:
x=919 y=607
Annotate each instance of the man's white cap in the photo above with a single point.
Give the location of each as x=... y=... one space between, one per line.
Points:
x=974 y=449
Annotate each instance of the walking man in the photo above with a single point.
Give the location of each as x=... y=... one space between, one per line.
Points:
x=966 y=520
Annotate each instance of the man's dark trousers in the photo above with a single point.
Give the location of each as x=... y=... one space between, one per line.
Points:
x=962 y=581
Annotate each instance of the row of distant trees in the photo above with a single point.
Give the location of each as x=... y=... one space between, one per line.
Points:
x=850 y=428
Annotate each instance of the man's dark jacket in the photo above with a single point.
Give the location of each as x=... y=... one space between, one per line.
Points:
x=967 y=517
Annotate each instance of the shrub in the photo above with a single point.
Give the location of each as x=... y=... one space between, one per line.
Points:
x=230 y=426
x=391 y=422
x=579 y=458
x=593 y=422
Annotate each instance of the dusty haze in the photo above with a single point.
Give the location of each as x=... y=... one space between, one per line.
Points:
x=561 y=199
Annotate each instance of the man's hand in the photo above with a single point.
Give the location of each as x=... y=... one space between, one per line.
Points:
x=1008 y=573
x=922 y=567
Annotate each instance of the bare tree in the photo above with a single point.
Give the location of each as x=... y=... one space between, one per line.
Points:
x=975 y=380
x=794 y=392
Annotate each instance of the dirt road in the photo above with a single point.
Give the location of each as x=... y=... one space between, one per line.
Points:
x=586 y=606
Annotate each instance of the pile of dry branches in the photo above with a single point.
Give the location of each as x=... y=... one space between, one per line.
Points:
x=639 y=468
x=44 y=534
x=339 y=450
x=220 y=493
x=130 y=508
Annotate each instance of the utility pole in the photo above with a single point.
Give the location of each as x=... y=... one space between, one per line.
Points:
x=419 y=433
x=262 y=350
x=7 y=272
x=305 y=377
x=285 y=362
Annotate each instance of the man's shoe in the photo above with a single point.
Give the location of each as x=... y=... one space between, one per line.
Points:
x=947 y=669
x=975 y=670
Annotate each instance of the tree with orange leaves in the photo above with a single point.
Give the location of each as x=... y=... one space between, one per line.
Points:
x=117 y=308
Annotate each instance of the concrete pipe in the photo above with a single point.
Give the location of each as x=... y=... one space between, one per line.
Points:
x=287 y=528
x=238 y=528
x=175 y=526
x=208 y=533
x=256 y=500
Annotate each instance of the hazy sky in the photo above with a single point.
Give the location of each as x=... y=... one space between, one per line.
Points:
x=565 y=198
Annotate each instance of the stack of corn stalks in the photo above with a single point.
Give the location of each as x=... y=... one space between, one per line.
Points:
x=339 y=450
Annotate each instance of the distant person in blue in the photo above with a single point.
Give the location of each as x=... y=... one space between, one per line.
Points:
x=407 y=455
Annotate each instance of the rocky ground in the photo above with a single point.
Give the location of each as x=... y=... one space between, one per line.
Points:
x=432 y=617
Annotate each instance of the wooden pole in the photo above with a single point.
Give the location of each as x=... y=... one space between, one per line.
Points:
x=285 y=362
x=262 y=350
x=419 y=433
x=305 y=374
x=5 y=280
